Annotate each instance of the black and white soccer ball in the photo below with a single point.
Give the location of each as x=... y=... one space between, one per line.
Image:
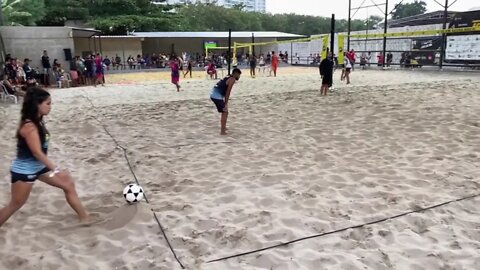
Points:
x=133 y=193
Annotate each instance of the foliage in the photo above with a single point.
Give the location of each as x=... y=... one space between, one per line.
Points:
x=120 y=25
x=409 y=9
x=22 y=12
x=120 y=16
x=59 y=11
x=375 y=22
x=206 y=17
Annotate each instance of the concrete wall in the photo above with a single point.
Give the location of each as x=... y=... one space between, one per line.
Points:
x=29 y=42
x=111 y=46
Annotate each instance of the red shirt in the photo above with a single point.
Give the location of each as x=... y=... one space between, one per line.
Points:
x=275 y=60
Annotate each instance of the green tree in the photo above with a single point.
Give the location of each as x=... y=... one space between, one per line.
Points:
x=59 y=11
x=373 y=21
x=120 y=25
x=22 y=12
x=409 y=9
x=120 y=16
x=240 y=6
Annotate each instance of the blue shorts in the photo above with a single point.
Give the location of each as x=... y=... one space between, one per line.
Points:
x=30 y=178
x=220 y=104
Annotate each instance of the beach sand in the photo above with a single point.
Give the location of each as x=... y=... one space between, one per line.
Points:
x=295 y=164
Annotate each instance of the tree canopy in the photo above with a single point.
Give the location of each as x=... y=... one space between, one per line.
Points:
x=121 y=16
x=22 y=12
x=403 y=10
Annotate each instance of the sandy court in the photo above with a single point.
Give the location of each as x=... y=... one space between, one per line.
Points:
x=295 y=164
x=148 y=75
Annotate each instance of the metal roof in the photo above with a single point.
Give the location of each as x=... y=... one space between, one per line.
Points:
x=118 y=36
x=78 y=32
x=245 y=34
x=435 y=17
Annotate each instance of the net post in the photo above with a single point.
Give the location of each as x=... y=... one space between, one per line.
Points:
x=229 y=53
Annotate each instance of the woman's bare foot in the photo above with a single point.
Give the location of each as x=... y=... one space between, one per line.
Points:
x=90 y=219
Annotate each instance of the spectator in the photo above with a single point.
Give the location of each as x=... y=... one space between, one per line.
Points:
x=29 y=73
x=107 y=62
x=211 y=70
x=80 y=64
x=363 y=60
x=89 y=70
x=11 y=89
x=381 y=59
x=118 y=62
x=99 y=78
x=9 y=71
x=389 y=59
x=46 y=68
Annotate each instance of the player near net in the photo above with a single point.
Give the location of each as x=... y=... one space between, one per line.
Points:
x=220 y=96
x=326 y=72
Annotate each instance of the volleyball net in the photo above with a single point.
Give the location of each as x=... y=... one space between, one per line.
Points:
x=423 y=46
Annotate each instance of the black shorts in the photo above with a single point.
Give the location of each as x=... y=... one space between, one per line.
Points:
x=327 y=80
x=348 y=69
x=30 y=178
x=220 y=104
x=10 y=90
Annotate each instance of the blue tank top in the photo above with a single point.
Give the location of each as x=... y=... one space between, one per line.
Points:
x=26 y=162
x=220 y=89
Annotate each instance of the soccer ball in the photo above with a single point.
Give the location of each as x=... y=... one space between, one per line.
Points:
x=133 y=193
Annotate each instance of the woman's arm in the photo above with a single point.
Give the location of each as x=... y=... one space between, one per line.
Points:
x=30 y=132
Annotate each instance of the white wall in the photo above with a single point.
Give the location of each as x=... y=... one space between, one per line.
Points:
x=29 y=42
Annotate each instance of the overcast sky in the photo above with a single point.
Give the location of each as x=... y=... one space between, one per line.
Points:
x=340 y=7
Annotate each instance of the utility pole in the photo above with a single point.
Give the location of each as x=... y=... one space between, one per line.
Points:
x=444 y=36
x=385 y=33
x=229 y=53
x=349 y=23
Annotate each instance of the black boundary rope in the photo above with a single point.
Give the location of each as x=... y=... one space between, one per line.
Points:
x=344 y=229
x=135 y=177
x=272 y=246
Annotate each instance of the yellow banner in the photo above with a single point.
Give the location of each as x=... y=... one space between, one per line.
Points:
x=419 y=33
x=341 y=48
x=475 y=28
x=279 y=41
x=324 y=47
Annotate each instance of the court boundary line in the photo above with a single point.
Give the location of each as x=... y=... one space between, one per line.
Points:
x=344 y=229
x=124 y=150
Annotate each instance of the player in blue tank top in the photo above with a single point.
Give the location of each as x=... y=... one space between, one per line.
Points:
x=32 y=162
x=221 y=94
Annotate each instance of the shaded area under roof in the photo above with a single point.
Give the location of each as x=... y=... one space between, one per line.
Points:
x=260 y=34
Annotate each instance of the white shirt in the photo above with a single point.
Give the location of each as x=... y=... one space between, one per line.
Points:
x=347 y=63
